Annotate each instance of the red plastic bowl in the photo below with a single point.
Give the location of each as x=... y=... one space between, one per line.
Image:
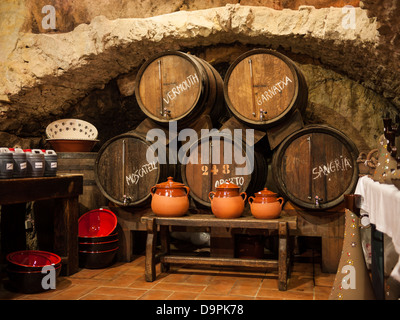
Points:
x=97 y=223
x=32 y=260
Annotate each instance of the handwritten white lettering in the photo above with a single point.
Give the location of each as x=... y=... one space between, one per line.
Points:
x=276 y=88
x=335 y=165
x=134 y=177
x=185 y=85
x=239 y=181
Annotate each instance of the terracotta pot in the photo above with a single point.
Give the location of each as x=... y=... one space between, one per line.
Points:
x=227 y=202
x=266 y=205
x=170 y=199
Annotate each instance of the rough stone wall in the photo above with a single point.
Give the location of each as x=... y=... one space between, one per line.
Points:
x=62 y=74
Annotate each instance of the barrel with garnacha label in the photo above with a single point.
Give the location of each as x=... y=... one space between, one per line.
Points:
x=211 y=163
x=315 y=167
x=263 y=87
x=177 y=86
x=123 y=173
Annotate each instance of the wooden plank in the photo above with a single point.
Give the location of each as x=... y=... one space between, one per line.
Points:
x=42 y=188
x=209 y=220
x=66 y=212
x=256 y=263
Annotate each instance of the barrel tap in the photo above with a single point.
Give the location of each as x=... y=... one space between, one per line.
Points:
x=262 y=113
x=126 y=200
x=167 y=112
x=317 y=201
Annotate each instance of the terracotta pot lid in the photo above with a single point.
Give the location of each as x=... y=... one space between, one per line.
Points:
x=228 y=185
x=170 y=184
x=265 y=193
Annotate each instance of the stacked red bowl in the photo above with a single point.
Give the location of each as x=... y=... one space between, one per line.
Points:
x=26 y=270
x=98 y=239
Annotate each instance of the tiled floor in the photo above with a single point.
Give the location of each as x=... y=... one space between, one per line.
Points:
x=125 y=281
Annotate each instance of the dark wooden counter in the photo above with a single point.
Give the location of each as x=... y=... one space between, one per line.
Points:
x=65 y=189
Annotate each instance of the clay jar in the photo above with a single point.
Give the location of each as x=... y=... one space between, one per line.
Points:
x=266 y=205
x=170 y=199
x=227 y=202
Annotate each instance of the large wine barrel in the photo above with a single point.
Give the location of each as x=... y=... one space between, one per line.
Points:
x=176 y=86
x=315 y=167
x=123 y=173
x=205 y=176
x=263 y=87
x=82 y=163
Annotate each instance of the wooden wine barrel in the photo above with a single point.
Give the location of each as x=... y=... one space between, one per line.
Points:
x=205 y=176
x=82 y=163
x=263 y=87
x=176 y=86
x=122 y=169
x=316 y=161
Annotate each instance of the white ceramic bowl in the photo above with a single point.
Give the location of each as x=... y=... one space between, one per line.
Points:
x=71 y=129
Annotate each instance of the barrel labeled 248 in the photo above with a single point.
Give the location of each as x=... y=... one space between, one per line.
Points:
x=315 y=167
x=213 y=162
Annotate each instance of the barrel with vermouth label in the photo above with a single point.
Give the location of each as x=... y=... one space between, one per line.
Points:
x=177 y=86
x=213 y=161
x=315 y=167
x=123 y=173
x=263 y=87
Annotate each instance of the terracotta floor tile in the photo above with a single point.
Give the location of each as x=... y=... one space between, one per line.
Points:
x=141 y=283
x=74 y=292
x=322 y=293
x=199 y=278
x=175 y=277
x=285 y=295
x=179 y=287
x=245 y=288
x=131 y=293
x=156 y=295
x=124 y=281
x=183 y=296
x=219 y=287
x=205 y=296
x=300 y=283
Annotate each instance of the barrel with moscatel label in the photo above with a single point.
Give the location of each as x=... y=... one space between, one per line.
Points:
x=263 y=87
x=177 y=86
x=210 y=163
x=123 y=173
x=6 y=164
x=315 y=167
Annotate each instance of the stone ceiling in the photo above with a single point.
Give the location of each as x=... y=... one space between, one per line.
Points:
x=46 y=73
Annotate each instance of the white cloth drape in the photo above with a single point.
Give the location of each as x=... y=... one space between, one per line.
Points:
x=382 y=202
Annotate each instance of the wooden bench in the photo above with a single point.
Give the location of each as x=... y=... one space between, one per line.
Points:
x=282 y=226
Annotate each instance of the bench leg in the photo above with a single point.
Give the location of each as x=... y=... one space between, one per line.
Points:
x=165 y=246
x=150 y=263
x=283 y=256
